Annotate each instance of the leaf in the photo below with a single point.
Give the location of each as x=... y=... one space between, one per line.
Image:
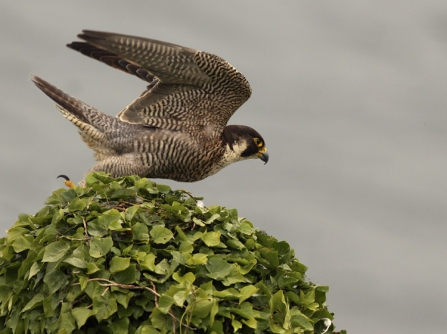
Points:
x=161 y=235
x=104 y=307
x=16 y=232
x=5 y=293
x=186 y=280
x=252 y=323
x=279 y=312
x=218 y=268
x=50 y=303
x=212 y=218
x=217 y=327
x=55 y=280
x=235 y=276
x=77 y=204
x=202 y=308
x=81 y=314
x=287 y=279
x=126 y=276
x=147 y=262
x=247 y=292
x=130 y=212
x=211 y=238
x=164 y=303
x=36 y=300
x=230 y=294
x=164 y=189
x=76 y=262
x=181 y=296
x=55 y=251
x=140 y=233
x=236 y=325
x=146 y=329
x=299 y=319
x=236 y=244
x=66 y=322
x=307 y=298
x=100 y=246
x=271 y=256
x=100 y=227
x=322 y=288
x=124 y=298
x=92 y=268
x=197 y=259
x=22 y=243
x=119 y=264
x=162 y=268
x=120 y=326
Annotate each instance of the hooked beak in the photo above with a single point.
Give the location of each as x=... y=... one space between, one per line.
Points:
x=263 y=155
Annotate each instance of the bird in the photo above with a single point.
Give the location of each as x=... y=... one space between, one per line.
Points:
x=177 y=127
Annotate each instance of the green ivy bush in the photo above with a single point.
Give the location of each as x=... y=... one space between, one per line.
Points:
x=127 y=255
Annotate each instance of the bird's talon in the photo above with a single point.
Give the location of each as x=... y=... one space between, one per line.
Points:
x=67 y=181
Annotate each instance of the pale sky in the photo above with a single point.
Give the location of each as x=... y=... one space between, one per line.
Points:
x=350 y=97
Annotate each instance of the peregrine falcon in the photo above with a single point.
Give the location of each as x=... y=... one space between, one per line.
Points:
x=177 y=128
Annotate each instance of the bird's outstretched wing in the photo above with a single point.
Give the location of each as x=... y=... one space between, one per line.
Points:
x=191 y=88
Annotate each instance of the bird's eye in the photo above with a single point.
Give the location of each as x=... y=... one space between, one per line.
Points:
x=258 y=142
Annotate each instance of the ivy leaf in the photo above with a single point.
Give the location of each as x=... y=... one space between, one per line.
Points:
x=130 y=212
x=77 y=204
x=211 y=238
x=252 y=323
x=104 y=307
x=271 y=256
x=164 y=189
x=298 y=319
x=81 y=314
x=197 y=259
x=92 y=268
x=247 y=292
x=119 y=264
x=100 y=246
x=37 y=299
x=218 y=268
x=55 y=280
x=164 y=303
x=236 y=325
x=147 y=262
x=140 y=233
x=120 y=326
x=161 y=235
x=126 y=276
x=202 y=308
x=55 y=251
x=22 y=243
x=76 y=262
x=67 y=322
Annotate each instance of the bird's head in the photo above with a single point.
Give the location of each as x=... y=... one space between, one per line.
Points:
x=246 y=142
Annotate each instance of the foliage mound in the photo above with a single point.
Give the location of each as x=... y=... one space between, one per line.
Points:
x=127 y=255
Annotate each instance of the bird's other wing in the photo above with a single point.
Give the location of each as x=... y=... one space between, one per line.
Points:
x=113 y=60
x=193 y=87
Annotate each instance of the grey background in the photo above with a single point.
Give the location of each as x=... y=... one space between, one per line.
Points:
x=350 y=97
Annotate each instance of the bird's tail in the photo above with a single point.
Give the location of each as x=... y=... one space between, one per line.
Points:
x=93 y=124
x=79 y=113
